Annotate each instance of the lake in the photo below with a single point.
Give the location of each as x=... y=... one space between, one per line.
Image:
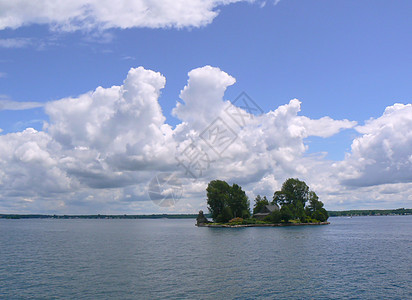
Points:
x=352 y=258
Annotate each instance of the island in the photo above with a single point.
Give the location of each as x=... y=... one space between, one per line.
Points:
x=294 y=205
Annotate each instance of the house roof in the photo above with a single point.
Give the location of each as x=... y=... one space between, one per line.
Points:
x=271 y=207
x=267 y=209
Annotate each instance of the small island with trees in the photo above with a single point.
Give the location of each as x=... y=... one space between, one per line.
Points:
x=295 y=204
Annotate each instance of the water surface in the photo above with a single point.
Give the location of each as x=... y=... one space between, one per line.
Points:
x=359 y=257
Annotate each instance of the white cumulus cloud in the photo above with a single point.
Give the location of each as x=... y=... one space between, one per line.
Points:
x=99 y=150
x=29 y=163
x=110 y=133
x=104 y=14
x=383 y=154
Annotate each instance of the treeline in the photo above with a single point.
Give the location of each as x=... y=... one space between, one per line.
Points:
x=99 y=216
x=370 y=212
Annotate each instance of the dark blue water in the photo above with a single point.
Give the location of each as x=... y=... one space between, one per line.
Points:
x=361 y=257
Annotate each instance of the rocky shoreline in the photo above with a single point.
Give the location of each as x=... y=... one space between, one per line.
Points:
x=258 y=225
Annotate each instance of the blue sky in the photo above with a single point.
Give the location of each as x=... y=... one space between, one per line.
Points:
x=342 y=59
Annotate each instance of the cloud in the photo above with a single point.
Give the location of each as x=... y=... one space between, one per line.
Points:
x=203 y=96
x=383 y=153
x=262 y=150
x=108 y=140
x=326 y=127
x=3 y=75
x=90 y=14
x=112 y=132
x=99 y=151
x=14 y=42
x=30 y=167
x=14 y=105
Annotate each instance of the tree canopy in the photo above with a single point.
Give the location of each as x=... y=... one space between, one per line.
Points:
x=217 y=197
x=259 y=203
x=296 y=201
x=294 y=196
x=226 y=202
x=315 y=208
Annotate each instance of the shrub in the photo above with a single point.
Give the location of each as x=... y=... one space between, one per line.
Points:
x=268 y=218
x=245 y=214
x=303 y=218
x=249 y=221
x=318 y=215
x=310 y=220
x=236 y=220
x=285 y=213
x=275 y=216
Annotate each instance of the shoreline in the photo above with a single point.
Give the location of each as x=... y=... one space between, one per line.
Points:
x=259 y=225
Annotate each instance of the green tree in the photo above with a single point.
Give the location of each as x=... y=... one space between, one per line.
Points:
x=299 y=202
x=320 y=215
x=225 y=201
x=217 y=197
x=274 y=217
x=259 y=203
x=315 y=208
x=294 y=194
x=293 y=191
x=286 y=213
x=238 y=202
x=225 y=216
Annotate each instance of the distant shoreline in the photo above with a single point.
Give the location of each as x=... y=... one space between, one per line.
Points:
x=344 y=213
x=370 y=212
x=98 y=216
x=260 y=225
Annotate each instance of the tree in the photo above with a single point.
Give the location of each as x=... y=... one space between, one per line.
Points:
x=274 y=217
x=279 y=198
x=238 y=202
x=225 y=201
x=225 y=216
x=315 y=208
x=294 y=194
x=217 y=197
x=293 y=191
x=320 y=215
x=286 y=213
x=259 y=203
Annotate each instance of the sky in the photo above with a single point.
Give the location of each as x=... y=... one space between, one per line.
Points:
x=101 y=101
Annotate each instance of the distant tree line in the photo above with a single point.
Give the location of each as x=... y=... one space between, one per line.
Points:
x=99 y=216
x=371 y=212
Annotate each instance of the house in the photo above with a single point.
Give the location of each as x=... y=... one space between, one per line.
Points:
x=265 y=211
